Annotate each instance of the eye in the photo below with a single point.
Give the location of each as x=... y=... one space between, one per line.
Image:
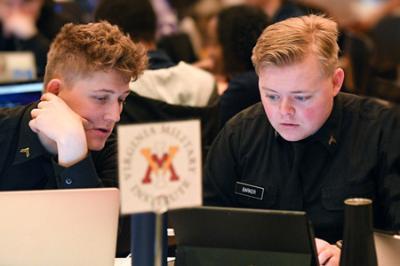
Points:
x=272 y=97
x=301 y=98
x=101 y=99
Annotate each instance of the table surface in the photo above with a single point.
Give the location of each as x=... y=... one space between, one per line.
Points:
x=127 y=261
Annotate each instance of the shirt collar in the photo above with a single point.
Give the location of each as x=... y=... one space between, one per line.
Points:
x=329 y=134
x=29 y=146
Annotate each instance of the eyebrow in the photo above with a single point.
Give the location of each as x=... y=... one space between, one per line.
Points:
x=111 y=91
x=292 y=92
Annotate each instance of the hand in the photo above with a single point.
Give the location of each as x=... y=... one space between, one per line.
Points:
x=55 y=122
x=328 y=254
x=19 y=25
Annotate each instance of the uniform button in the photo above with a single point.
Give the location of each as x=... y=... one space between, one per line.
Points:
x=68 y=181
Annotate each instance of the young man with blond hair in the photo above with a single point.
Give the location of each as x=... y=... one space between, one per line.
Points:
x=65 y=139
x=306 y=146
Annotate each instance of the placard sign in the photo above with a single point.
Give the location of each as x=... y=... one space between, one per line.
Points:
x=159 y=166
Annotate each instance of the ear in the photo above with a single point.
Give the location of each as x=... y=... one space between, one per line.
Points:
x=54 y=86
x=337 y=80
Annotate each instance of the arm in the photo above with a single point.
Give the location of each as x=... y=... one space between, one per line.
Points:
x=98 y=169
x=60 y=129
x=220 y=170
x=388 y=182
x=61 y=132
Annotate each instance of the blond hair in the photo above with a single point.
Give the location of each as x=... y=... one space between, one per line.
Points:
x=79 y=50
x=291 y=40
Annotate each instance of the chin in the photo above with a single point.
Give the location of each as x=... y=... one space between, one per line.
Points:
x=96 y=146
x=292 y=137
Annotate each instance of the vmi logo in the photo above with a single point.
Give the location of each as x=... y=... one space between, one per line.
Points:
x=160 y=166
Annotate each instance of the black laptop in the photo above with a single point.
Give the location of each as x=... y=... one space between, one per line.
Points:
x=233 y=236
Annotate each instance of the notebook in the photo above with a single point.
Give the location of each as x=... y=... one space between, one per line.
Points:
x=20 y=93
x=234 y=236
x=387 y=248
x=59 y=227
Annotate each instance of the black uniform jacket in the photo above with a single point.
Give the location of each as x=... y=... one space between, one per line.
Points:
x=26 y=165
x=356 y=153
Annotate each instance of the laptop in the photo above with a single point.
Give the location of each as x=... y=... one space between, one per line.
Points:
x=387 y=248
x=16 y=66
x=234 y=236
x=20 y=93
x=59 y=227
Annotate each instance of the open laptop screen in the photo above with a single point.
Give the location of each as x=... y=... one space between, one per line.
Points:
x=61 y=227
x=387 y=246
x=232 y=236
x=19 y=93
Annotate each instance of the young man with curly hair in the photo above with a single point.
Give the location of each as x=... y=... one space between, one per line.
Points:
x=65 y=139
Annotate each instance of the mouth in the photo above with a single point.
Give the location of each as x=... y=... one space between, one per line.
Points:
x=289 y=125
x=103 y=132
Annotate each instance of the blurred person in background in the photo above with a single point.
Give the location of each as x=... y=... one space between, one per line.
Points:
x=29 y=25
x=275 y=10
x=139 y=20
x=370 y=41
x=355 y=15
x=237 y=30
x=180 y=37
x=278 y=10
x=173 y=82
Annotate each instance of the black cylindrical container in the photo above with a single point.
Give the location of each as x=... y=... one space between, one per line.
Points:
x=358 y=239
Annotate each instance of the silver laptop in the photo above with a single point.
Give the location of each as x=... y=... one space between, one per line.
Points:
x=59 y=227
x=387 y=249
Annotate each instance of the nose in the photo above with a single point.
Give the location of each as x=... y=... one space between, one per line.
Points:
x=113 y=112
x=286 y=107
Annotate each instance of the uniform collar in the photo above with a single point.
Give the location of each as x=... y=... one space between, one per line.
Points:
x=29 y=146
x=329 y=134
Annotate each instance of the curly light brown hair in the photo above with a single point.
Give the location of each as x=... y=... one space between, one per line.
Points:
x=291 y=40
x=79 y=50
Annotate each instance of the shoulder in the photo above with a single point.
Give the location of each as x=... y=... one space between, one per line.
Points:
x=366 y=108
x=250 y=119
x=365 y=115
x=10 y=118
x=10 y=124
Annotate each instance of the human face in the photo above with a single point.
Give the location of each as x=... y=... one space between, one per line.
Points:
x=98 y=99
x=298 y=98
x=29 y=8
